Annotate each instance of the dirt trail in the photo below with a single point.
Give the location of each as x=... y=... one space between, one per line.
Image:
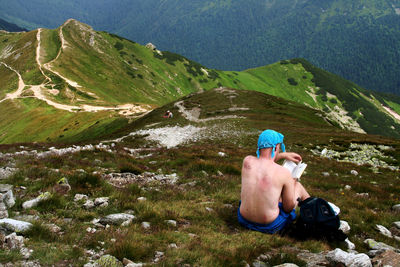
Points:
x=125 y=109
x=392 y=112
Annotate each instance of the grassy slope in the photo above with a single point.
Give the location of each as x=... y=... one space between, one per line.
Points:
x=219 y=240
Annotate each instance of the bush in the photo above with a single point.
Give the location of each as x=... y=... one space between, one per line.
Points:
x=119 y=45
x=292 y=81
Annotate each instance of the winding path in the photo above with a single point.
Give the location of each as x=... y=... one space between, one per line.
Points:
x=125 y=109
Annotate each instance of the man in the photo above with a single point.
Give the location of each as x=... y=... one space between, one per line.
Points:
x=269 y=193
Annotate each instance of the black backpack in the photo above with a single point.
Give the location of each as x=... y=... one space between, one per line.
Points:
x=318 y=220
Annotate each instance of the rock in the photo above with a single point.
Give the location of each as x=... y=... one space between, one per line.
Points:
x=286 y=265
x=26 y=218
x=134 y=265
x=172 y=245
x=350 y=245
x=313 y=259
x=383 y=230
x=101 y=202
x=89 y=204
x=146 y=225
x=13 y=241
x=396 y=208
x=324 y=152
x=53 y=228
x=363 y=195
x=259 y=264
x=158 y=256
x=91 y=230
x=11 y=225
x=108 y=261
x=79 y=197
x=3 y=210
x=34 y=202
x=339 y=256
x=151 y=46
x=171 y=222
x=354 y=172
x=344 y=226
x=372 y=244
x=127 y=222
x=387 y=258
x=221 y=154
x=325 y=174
x=219 y=173
x=6 y=195
x=141 y=199
x=26 y=253
x=347 y=187
x=397 y=225
x=117 y=219
x=204 y=173
x=209 y=209
x=7 y=172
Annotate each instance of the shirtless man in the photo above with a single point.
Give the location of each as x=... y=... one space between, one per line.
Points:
x=269 y=193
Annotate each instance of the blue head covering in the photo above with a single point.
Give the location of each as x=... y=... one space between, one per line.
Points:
x=270 y=138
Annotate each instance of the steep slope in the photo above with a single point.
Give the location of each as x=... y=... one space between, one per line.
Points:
x=357 y=40
x=6 y=26
x=179 y=181
x=74 y=72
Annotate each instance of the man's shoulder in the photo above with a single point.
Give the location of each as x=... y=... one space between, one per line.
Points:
x=248 y=161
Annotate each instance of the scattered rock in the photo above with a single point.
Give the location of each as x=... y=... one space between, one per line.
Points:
x=339 y=256
x=79 y=197
x=3 y=210
x=117 y=219
x=11 y=225
x=124 y=179
x=396 y=208
x=6 y=195
x=108 y=261
x=354 y=172
x=13 y=241
x=372 y=244
x=89 y=204
x=221 y=154
x=34 y=202
x=344 y=226
x=171 y=222
x=387 y=258
x=101 y=202
x=62 y=187
x=7 y=172
x=350 y=245
x=383 y=230
x=146 y=225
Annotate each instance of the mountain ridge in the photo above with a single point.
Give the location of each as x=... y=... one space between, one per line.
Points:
x=82 y=72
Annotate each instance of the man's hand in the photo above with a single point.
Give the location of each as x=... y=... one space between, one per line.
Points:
x=289 y=156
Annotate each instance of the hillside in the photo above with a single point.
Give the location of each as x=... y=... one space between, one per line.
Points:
x=357 y=40
x=173 y=186
x=73 y=83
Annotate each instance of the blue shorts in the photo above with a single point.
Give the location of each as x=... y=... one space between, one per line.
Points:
x=278 y=224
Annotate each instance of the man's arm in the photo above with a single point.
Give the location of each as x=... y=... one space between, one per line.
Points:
x=289 y=156
x=288 y=194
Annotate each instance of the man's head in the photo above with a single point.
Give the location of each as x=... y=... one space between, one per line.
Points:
x=270 y=138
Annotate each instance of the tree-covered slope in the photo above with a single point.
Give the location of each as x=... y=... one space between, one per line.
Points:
x=357 y=40
x=91 y=83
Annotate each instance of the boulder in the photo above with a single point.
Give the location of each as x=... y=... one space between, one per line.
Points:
x=116 y=219
x=34 y=202
x=13 y=241
x=11 y=225
x=171 y=222
x=396 y=208
x=151 y=46
x=387 y=258
x=383 y=230
x=6 y=195
x=338 y=256
x=344 y=226
x=89 y=204
x=108 y=261
x=101 y=202
x=372 y=244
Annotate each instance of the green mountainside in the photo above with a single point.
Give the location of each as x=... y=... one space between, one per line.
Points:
x=73 y=83
x=174 y=186
x=357 y=40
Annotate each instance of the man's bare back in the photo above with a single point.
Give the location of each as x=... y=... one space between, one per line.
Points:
x=269 y=193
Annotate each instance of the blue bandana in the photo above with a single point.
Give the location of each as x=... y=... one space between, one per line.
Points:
x=270 y=138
